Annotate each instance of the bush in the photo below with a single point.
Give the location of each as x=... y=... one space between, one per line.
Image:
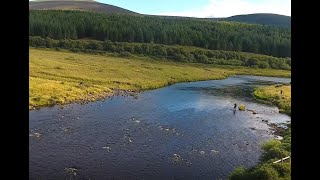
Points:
x=124 y=54
x=179 y=57
x=161 y=51
x=271 y=144
x=263 y=65
x=284 y=169
x=242 y=107
x=239 y=174
x=202 y=58
x=265 y=172
x=274 y=153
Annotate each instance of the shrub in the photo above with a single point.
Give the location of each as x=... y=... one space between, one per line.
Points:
x=239 y=174
x=274 y=153
x=284 y=169
x=179 y=57
x=265 y=172
x=263 y=65
x=124 y=54
x=242 y=107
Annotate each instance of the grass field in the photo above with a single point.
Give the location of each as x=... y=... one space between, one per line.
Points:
x=273 y=94
x=60 y=77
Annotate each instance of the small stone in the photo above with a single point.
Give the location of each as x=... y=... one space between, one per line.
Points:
x=107 y=148
x=71 y=170
x=214 y=151
x=37 y=135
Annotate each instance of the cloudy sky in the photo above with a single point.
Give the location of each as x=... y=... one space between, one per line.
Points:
x=204 y=8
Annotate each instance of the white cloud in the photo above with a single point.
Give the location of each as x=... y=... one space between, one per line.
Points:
x=226 y=8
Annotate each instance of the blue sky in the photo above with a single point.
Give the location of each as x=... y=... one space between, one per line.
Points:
x=204 y=8
x=156 y=6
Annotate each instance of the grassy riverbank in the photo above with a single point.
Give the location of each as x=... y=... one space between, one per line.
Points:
x=60 y=77
x=273 y=150
x=272 y=94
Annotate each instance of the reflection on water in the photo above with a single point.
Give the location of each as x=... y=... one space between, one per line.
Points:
x=184 y=131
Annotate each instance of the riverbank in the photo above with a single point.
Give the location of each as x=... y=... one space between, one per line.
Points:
x=278 y=95
x=62 y=77
x=188 y=128
x=273 y=150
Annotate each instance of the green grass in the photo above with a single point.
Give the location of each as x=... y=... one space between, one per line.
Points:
x=242 y=107
x=273 y=95
x=55 y=76
x=272 y=150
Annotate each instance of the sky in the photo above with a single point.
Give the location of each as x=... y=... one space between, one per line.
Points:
x=204 y=8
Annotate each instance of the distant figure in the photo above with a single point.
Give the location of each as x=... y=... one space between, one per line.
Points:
x=235 y=105
x=281 y=92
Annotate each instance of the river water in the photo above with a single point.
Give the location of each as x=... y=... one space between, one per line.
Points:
x=183 y=131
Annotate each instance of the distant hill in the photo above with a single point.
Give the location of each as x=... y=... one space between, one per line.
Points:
x=220 y=35
x=90 y=5
x=267 y=19
x=82 y=5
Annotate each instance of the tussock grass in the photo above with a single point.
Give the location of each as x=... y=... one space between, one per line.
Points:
x=242 y=107
x=60 y=77
x=273 y=95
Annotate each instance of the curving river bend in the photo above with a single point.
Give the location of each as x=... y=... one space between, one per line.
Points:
x=183 y=131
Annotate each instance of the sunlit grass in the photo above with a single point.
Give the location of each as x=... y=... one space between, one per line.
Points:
x=242 y=107
x=273 y=94
x=59 y=77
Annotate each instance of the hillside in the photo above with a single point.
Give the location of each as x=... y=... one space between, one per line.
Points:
x=93 y=6
x=266 y=19
x=78 y=5
x=230 y=36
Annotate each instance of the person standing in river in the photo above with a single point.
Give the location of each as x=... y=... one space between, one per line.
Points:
x=235 y=106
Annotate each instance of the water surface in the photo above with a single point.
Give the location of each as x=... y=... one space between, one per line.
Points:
x=183 y=131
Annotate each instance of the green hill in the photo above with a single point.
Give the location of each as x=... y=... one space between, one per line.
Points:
x=266 y=19
x=93 y=6
x=83 y=5
x=218 y=35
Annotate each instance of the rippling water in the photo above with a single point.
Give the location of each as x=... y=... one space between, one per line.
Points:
x=184 y=131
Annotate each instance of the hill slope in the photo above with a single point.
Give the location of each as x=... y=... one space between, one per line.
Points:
x=267 y=19
x=230 y=36
x=90 y=5
x=78 y=5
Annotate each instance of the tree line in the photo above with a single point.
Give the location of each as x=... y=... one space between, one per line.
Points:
x=229 y=36
x=175 y=53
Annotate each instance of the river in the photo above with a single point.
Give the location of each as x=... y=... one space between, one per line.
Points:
x=183 y=131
